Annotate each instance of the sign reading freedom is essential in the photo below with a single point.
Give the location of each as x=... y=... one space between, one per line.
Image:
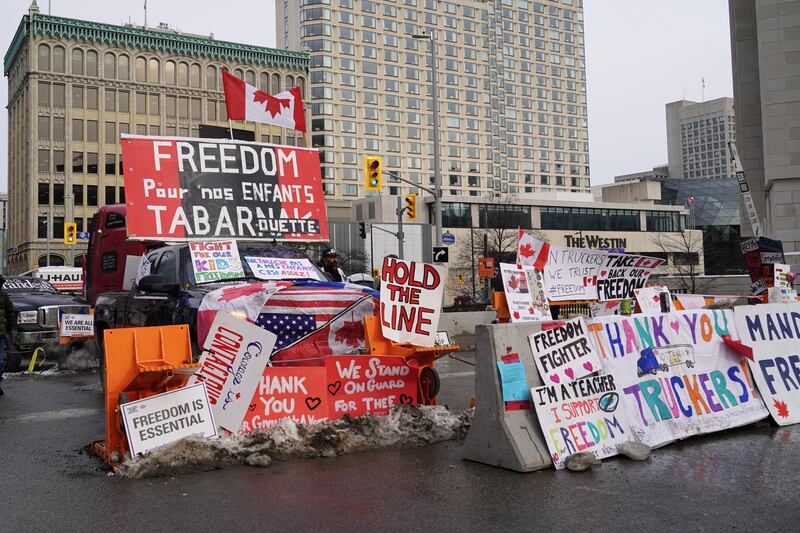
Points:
x=273 y=268
x=180 y=189
x=621 y=274
x=411 y=301
x=773 y=332
x=293 y=392
x=231 y=365
x=158 y=420
x=564 y=353
x=675 y=374
x=359 y=384
x=583 y=415
x=215 y=261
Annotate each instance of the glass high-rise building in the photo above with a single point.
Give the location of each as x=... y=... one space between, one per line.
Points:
x=512 y=93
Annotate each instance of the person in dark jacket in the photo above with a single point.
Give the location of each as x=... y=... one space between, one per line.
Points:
x=330 y=266
x=6 y=321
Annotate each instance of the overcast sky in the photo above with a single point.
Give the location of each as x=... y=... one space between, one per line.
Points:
x=640 y=54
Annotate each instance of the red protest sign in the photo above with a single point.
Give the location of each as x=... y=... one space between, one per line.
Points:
x=181 y=189
x=297 y=393
x=360 y=384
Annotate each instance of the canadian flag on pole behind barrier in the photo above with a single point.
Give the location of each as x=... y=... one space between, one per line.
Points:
x=246 y=102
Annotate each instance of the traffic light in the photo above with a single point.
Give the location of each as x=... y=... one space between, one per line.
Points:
x=373 y=173
x=411 y=206
x=362 y=229
x=376 y=274
x=70 y=233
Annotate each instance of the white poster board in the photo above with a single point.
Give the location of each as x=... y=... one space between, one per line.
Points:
x=621 y=274
x=584 y=415
x=571 y=273
x=274 y=268
x=675 y=374
x=74 y=325
x=773 y=333
x=649 y=298
x=158 y=420
x=563 y=352
x=781 y=275
x=524 y=293
x=215 y=261
x=235 y=354
x=411 y=301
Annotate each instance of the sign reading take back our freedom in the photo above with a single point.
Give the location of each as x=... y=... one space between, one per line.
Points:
x=180 y=189
x=773 y=332
x=621 y=274
x=411 y=301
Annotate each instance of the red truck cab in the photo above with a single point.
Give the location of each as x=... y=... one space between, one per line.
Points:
x=111 y=260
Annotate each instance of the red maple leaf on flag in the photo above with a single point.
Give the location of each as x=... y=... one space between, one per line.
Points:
x=350 y=333
x=526 y=250
x=783 y=409
x=274 y=105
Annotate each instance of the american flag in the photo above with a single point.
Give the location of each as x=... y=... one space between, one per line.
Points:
x=311 y=319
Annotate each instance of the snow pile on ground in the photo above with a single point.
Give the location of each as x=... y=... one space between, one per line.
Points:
x=403 y=427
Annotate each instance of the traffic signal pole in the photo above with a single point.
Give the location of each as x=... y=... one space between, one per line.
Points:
x=400 y=235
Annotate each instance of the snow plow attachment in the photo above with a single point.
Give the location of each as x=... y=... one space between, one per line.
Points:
x=140 y=362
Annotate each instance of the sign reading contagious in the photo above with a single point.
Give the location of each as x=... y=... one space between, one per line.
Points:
x=203 y=189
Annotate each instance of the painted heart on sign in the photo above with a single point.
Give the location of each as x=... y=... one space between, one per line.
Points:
x=603 y=274
x=588 y=366
x=405 y=399
x=333 y=388
x=570 y=373
x=554 y=378
x=313 y=402
x=675 y=325
x=656 y=297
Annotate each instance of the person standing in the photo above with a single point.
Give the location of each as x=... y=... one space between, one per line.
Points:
x=330 y=266
x=6 y=321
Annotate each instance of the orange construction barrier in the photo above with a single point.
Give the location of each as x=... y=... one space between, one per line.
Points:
x=428 y=386
x=140 y=362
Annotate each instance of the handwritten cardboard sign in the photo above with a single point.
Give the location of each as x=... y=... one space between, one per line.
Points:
x=524 y=293
x=276 y=268
x=215 y=261
x=570 y=273
x=649 y=298
x=163 y=418
x=772 y=333
x=359 y=384
x=296 y=393
x=231 y=365
x=77 y=325
x=411 y=301
x=621 y=274
x=581 y=416
x=564 y=352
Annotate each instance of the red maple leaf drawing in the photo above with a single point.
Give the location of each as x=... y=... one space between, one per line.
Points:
x=526 y=250
x=516 y=315
x=531 y=310
x=783 y=409
x=513 y=283
x=351 y=333
x=274 y=105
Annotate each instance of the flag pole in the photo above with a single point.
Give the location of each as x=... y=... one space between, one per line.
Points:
x=230 y=128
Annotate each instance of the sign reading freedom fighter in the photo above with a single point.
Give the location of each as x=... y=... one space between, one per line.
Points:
x=773 y=332
x=180 y=189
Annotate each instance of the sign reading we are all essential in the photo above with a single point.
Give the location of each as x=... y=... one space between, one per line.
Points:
x=76 y=325
x=411 y=301
x=215 y=261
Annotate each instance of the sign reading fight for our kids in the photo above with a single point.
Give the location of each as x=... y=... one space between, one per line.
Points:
x=582 y=415
x=411 y=301
x=773 y=332
x=275 y=268
x=215 y=261
x=358 y=384
x=564 y=352
x=676 y=375
x=235 y=355
x=621 y=274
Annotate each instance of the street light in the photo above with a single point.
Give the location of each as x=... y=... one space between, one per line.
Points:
x=437 y=170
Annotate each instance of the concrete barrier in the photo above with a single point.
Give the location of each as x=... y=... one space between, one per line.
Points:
x=508 y=439
x=464 y=323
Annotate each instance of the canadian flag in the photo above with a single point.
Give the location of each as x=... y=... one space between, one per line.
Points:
x=245 y=102
x=531 y=251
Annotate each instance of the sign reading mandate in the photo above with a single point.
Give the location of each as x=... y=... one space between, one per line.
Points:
x=197 y=189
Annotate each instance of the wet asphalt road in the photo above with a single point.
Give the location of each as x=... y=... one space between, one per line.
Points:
x=741 y=479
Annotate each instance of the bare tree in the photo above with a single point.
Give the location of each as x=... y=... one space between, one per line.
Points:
x=683 y=251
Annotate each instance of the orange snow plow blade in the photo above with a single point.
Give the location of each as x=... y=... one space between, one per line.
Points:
x=139 y=362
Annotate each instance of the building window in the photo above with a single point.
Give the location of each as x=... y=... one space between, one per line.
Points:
x=91 y=131
x=110 y=66
x=123 y=67
x=91 y=63
x=91 y=98
x=41 y=227
x=91 y=195
x=662 y=221
x=111 y=194
x=152 y=71
x=91 y=163
x=59 y=60
x=58 y=194
x=77 y=162
x=455 y=215
x=504 y=216
x=58 y=160
x=77 y=61
x=44 y=127
x=111 y=164
x=44 y=161
x=44 y=57
x=582 y=218
x=77 y=194
x=44 y=194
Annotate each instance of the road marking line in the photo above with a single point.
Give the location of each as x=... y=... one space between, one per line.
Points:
x=457 y=375
x=46 y=416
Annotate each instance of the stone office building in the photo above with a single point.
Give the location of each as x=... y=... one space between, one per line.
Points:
x=75 y=86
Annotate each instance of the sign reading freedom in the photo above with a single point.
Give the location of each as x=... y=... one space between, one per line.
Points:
x=197 y=189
